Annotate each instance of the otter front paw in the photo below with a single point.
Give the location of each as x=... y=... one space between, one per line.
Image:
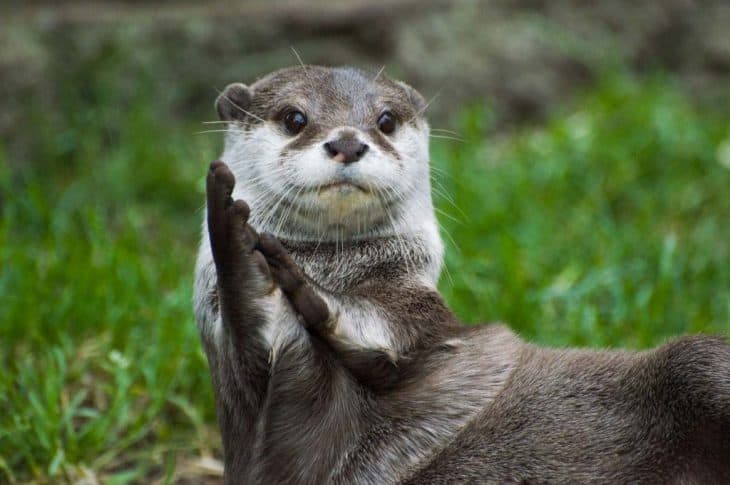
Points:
x=295 y=286
x=237 y=249
x=232 y=239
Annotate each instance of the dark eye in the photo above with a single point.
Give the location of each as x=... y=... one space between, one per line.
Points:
x=294 y=122
x=386 y=123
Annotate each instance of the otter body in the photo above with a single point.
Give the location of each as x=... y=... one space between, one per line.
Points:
x=335 y=360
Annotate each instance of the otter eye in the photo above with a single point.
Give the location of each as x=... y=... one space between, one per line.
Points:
x=294 y=122
x=386 y=123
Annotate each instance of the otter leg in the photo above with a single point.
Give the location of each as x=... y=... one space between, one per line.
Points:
x=237 y=351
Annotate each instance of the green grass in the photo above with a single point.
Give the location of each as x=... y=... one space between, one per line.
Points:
x=605 y=226
x=608 y=226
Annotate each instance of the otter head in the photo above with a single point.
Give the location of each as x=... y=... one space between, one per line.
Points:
x=329 y=153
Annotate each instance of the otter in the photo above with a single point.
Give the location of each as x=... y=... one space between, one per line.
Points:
x=335 y=360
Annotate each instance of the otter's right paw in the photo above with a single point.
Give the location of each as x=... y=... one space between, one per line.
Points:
x=232 y=239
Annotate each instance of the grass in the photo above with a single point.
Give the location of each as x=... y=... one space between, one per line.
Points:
x=604 y=226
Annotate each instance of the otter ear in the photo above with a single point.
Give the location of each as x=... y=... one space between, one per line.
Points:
x=233 y=102
x=419 y=104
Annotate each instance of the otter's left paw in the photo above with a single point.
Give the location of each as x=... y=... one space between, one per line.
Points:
x=294 y=284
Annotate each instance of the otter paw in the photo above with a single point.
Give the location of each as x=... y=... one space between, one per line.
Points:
x=232 y=239
x=294 y=284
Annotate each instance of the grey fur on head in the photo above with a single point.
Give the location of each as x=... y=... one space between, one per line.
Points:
x=335 y=360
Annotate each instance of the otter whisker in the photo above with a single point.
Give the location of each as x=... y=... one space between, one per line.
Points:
x=425 y=107
x=446 y=137
x=448 y=216
x=450 y=201
x=212 y=131
x=450 y=132
x=441 y=171
x=306 y=71
x=439 y=190
x=399 y=238
x=379 y=73
x=288 y=210
x=271 y=213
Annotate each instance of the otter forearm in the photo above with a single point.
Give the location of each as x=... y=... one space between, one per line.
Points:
x=238 y=360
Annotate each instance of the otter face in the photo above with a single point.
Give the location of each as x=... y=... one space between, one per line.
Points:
x=328 y=153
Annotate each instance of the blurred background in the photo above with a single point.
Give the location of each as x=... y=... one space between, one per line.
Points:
x=581 y=167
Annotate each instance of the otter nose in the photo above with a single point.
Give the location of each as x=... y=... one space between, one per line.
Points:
x=346 y=150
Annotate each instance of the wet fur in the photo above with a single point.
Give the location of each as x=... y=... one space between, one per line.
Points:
x=337 y=361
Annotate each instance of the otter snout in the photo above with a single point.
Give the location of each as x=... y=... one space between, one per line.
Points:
x=346 y=149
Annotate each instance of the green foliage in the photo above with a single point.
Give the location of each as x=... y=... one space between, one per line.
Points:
x=103 y=372
x=606 y=226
